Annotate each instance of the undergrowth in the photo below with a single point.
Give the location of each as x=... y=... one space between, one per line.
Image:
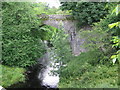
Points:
x=81 y=73
x=11 y=75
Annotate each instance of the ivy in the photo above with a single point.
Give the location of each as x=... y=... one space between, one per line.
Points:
x=87 y=12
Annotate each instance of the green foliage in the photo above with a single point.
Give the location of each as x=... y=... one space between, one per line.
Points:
x=93 y=69
x=94 y=38
x=43 y=8
x=83 y=60
x=116 y=44
x=65 y=12
x=116 y=39
x=61 y=45
x=103 y=24
x=114 y=24
x=11 y=75
x=116 y=10
x=47 y=32
x=85 y=72
x=20 y=46
x=23 y=35
x=112 y=20
x=87 y=12
x=100 y=40
x=101 y=33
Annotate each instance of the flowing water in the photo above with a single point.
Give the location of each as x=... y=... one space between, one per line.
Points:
x=43 y=75
x=48 y=75
x=49 y=78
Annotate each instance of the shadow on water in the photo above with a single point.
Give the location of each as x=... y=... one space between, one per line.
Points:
x=37 y=76
x=32 y=80
x=32 y=77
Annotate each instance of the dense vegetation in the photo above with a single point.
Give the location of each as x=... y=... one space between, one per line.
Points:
x=87 y=13
x=23 y=36
x=22 y=43
x=85 y=72
x=20 y=46
x=98 y=67
x=9 y=77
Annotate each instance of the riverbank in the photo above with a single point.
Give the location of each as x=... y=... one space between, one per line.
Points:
x=82 y=73
x=11 y=75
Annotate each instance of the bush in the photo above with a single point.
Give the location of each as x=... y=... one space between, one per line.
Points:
x=84 y=60
x=100 y=40
x=87 y=12
x=61 y=46
x=10 y=76
x=111 y=20
x=84 y=71
x=98 y=77
x=103 y=24
x=100 y=36
x=20 y=46
x=93 y=69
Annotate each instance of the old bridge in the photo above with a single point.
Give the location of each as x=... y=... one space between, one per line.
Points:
x=70 y=27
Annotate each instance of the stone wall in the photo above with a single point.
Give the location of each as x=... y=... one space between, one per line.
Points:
x=70 y=27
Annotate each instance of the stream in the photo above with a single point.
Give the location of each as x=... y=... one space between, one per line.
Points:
x=44 y=74
x=48 y=75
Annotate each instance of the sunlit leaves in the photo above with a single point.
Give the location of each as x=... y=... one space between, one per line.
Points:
x=114 y=24
x=116 y=10
x=116 y=39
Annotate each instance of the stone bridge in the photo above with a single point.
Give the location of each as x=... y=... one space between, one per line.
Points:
x=70 y=27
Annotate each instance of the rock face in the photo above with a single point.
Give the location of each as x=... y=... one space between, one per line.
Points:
x=70 y=26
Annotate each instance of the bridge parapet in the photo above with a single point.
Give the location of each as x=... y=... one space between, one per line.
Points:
x=56 y=17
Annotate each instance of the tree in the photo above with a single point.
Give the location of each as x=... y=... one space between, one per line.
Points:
x=20 y=46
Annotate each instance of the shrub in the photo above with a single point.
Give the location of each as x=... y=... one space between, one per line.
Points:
x=87 y=12
x=93 y=69
x=85 y=72
x=103 y=24
x=20 y=46
x=81 y=63
x=112 y=20
x=61 y=46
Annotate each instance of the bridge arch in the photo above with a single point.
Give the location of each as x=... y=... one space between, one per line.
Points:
x=70 y=27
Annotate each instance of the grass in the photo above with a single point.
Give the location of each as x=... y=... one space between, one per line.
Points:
x=11 y=75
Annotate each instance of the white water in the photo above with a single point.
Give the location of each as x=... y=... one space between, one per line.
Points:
x=47 y=75
x=49 y=78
